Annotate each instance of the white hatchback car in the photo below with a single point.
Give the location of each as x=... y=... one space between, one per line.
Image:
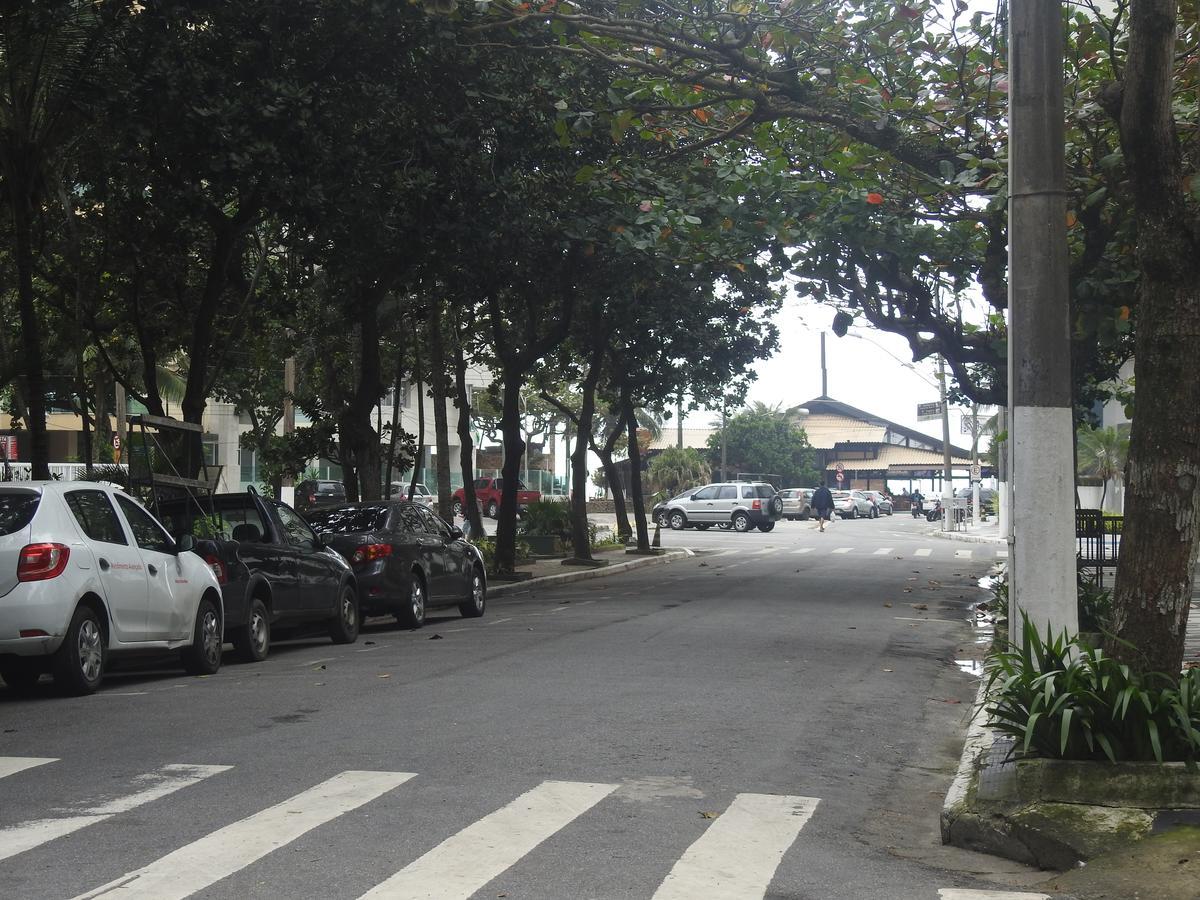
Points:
x=86 y=571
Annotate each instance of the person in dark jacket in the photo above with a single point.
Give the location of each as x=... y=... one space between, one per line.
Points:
x=822 y=502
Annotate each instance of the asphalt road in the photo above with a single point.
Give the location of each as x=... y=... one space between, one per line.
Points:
x=777 y=716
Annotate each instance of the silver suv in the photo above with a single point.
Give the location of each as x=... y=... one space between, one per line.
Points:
x=740 y=505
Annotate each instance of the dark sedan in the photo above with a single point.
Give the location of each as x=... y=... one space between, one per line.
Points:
x=406 y=560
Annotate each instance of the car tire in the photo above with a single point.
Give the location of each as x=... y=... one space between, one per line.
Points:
x=854 y=512
x=493 y=510
x=203 y=656
x=21 y=675
x=343 y=627
x=459 y=510
x=678 y=521
x=740 y=522
x=253 y=640
x=476 y=601
x=661 y=519
x=804 y=516
x=413 y=613
x=78 y=663
x=766 y=526
x=775 y=504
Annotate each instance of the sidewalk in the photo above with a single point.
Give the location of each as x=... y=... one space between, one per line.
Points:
x=549 y=572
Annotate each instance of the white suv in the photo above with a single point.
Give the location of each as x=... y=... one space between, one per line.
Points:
x=86 y=571
x=740 y=505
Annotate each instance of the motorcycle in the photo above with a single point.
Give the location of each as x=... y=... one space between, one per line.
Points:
x=918 y=509
x=935 y=512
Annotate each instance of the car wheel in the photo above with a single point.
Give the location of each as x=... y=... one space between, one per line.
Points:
x=78 y=664
x=804 y=516
x=741 y=522
x=343 y=627
x=493 y=510
x=766 y=526
x=203 y=657
x=459 y=510
x=21 y=674
x=854 y=512
x=776 y=505
x=413 y=613
x=472 y=607
x=678 y=521
x=660 y=519
x=253 y=640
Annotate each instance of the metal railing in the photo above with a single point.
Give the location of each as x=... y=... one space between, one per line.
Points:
x=1097 y=541
x=23 y=471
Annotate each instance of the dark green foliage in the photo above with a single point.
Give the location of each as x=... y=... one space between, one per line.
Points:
x=1062 y=699
x=547 y=517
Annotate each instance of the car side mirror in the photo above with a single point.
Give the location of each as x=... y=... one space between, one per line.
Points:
x=456 y=532
x=185 y=543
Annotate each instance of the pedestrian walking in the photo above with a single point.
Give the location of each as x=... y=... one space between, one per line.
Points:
x=822 y=501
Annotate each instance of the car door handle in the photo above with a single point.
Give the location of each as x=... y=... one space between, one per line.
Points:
x=104 y=564
x=152 y=570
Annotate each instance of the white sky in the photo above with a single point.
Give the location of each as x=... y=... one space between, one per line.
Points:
x=868 y=369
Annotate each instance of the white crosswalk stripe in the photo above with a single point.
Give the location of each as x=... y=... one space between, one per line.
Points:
x=925 y=551
x=1002 y=554
x=167 y=780
x=227 y=850
x=802 y=550
x=737 y=856
x=843 y=550
x=11 y=765
x=883 y=551
x=963 y=554
x=464 y=863
x=961 y=894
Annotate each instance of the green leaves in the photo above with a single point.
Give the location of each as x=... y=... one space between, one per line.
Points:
x=1063 y=699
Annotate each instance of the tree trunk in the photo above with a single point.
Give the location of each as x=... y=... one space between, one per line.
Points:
x=613 y=474
x=635 y=474
x=465 y=444
x=514 y=451
x=33 y=377
x=395 y=429
x=581 y=539
x=441 y=427
x=1159 y=537
x=359 y=440
x=419 y=459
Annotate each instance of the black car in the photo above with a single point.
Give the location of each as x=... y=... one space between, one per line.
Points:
x=275 y=573
x=311 y=494
x=405 y=559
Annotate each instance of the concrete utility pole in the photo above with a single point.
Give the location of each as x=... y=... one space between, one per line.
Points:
x=948 y=477
x=1041 y=572
x=724 y=475
x=287 y=485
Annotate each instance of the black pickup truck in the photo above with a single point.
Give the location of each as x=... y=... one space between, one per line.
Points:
x=275 y=572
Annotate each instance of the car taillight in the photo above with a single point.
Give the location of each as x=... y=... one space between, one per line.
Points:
x=218 y=568
x=312 y=498
x=39 y=562
x=756 y=504
x=370 y=552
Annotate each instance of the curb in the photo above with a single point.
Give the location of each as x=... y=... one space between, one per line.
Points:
x=583 y=574
x=966 y=538
x=978 y=740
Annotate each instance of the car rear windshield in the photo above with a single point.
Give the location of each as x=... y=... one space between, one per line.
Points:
x=759 y=490
x=17 y=509
x=840 y=495
x=331 y=487
x=348 y=519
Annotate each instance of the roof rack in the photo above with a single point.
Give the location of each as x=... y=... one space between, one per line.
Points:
x=148 y=451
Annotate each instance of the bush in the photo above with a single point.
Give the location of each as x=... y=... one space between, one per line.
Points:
x=487 y=546
x=547 y=517
x=1064 y=700
x=1095 y=603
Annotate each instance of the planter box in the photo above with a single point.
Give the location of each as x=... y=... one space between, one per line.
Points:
x=1143 y=785
x=544 y=544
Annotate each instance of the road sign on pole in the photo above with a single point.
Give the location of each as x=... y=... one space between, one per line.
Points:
x=928 y=411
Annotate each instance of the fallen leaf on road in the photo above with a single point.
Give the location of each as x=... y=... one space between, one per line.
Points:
x=908 y=590
x=438 y=637
x=910 y=579
x=944 y=700
x=854 y=628
x=318 y=684
x=703 y=564
x=319 y=668
x=708 y=815
x=888 y=605
x=384 y=675
x=369 y=643
x=918 y=606
x=887 y=670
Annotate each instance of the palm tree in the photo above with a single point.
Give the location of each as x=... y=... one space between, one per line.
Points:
x=47 y=52
x=676 y=470
x=1102 y=453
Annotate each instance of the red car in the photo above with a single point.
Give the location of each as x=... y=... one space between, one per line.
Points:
x=487 y=492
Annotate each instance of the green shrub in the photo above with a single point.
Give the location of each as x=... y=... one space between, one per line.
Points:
x=1062 y=699
x=487 y=546
x=547 y=517
x=1095 y=603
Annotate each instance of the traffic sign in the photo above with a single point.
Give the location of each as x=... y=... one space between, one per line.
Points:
x=116 y=442
x=976 y=472
x=840 y=476
x=926 y=411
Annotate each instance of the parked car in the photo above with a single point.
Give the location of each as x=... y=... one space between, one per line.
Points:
x=741 y=505
x=275 y=572
x=797 y=503
x=87 y=573
x=311 y=494
x=487 y=493
x=881 y=502
x=420 y=494
x=852 y=504
x=406 y=560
